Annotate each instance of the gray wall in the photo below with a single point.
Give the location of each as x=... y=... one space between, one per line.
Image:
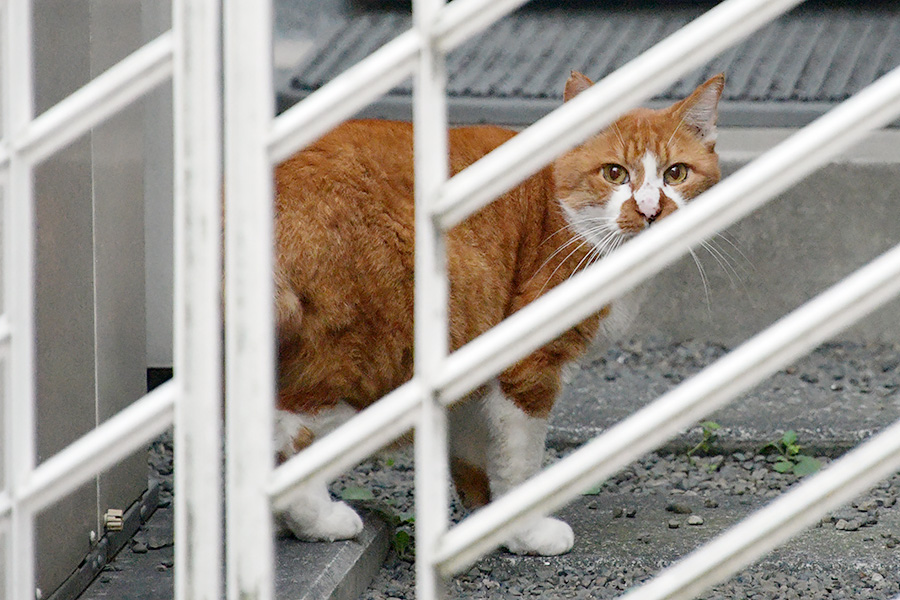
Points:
x=158 y=193
x=90 y=346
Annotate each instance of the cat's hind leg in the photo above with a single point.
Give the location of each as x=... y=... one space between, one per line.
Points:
x=515 y=453
x=313 y=515
x=469 y=437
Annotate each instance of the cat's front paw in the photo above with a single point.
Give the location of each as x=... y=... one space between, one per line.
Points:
x=544 y=537
x=336 y=522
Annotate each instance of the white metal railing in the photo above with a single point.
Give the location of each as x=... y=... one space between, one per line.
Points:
x=254 y=142
x=189 y=54
x=440 y=381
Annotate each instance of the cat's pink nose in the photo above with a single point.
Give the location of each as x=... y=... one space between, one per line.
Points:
x=649 y=203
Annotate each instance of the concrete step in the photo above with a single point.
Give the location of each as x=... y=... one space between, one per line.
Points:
x=303 y=570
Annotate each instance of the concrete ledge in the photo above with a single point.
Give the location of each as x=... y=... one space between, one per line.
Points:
x=331 y=571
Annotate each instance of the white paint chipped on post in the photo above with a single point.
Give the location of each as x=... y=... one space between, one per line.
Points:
x=197 y=352
x=250 y=351
x=19 y=434
x=431 y=298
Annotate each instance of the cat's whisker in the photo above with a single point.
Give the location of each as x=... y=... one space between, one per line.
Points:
x=740 y=264
x=674 y=131
x=582 y=243
x=610 y=243
x=725 y=238
x=703 y=280
x=733 y=276
x=575 y=239
x=615 y=129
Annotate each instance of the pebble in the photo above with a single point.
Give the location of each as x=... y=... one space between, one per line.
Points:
x=679 y=509
x=695 y=520
x=844 y=525
x=674 y=524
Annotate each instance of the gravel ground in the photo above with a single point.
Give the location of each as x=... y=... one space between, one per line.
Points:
x=667 y=503
x=692 y=492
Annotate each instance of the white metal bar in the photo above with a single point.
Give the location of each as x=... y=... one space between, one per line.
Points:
x=4 y=318
x=463 y=19
x=115 y=439
x=198 y=333
x=348 y=445
x=647 y=254
x=96 y=101
x=431 y=297
x=249 y=289
x=762 y=355
x=767 y=528
x=378 y=73
x=528 y=152
x=19 y=436
x=340 y=98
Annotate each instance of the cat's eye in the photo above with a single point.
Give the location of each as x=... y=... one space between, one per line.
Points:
x=676 y=173
x=614 y=173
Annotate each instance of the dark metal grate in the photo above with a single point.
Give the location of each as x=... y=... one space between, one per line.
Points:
x=786 y=74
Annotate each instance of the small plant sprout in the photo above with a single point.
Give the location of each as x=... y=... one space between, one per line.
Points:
x=790 y=456
x=402 y=522
x=709 y=437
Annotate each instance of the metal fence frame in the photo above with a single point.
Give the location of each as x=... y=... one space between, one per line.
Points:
x=254 y=142
x=440 y=380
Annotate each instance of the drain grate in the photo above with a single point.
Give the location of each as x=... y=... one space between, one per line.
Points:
x=785 y=75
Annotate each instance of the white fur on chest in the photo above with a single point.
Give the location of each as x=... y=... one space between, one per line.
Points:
x=622 y=315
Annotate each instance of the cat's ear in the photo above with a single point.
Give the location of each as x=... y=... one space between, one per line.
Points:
x=700 y=110
x=576 y=84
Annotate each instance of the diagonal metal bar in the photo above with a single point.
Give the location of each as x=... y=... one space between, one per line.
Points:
x=369 y=431
x=733 y=198
x=719 y=28
x=110 y=442
x=764 y=530
x=789 y=338
x=340 y=98
x=106 y=94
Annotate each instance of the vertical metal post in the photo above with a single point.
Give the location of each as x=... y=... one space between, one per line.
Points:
x=197 y=352
x=250 y=351
x=431 y=329
x=18 y=88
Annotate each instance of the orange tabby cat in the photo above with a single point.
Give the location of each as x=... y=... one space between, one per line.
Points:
x=344 y=282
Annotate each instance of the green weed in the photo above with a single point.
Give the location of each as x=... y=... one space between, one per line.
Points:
x=709 y=432
x=790 y=456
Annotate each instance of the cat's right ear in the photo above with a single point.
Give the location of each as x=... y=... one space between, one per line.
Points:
x=576 y=84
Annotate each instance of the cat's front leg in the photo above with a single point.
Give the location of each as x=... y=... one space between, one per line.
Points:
x=515 y=453
x=313 y=515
